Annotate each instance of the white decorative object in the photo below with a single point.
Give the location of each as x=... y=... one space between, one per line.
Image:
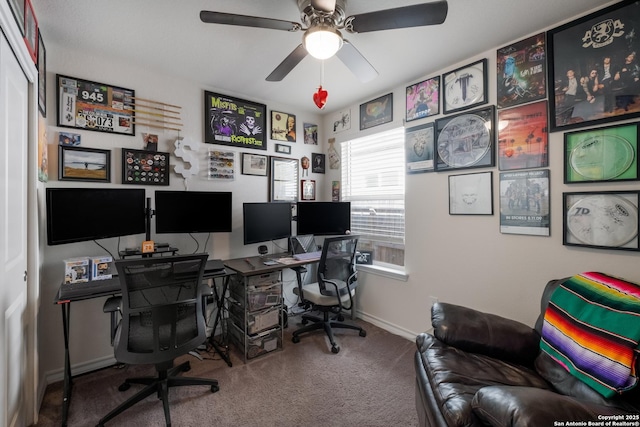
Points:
x=189 y=155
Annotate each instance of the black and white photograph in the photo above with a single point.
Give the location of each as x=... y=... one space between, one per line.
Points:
x=471 y=194
x=524 y=203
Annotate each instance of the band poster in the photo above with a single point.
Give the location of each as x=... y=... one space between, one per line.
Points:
x=233 y=121
x=88 y=105
x=524 y=203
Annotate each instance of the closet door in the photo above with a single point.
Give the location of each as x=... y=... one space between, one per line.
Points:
x=14 y=98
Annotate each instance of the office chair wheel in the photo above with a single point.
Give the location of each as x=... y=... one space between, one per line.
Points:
x=186 y=367
x=124 y=387
x=363 y=333
x=335 y=349
x=340 y=318
x=304 y=321
x=215 y=388
x=295 y=339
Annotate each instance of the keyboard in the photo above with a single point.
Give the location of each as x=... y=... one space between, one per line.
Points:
x=307 y=256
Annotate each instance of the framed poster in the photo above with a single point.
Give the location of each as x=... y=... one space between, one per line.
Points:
x=283 y=180
x=308 y=189
x=310 y=133
x=419 y=148
x=283 y=149
x=471 y=194
x=341 y=121
x=604 y=220
x=522 y=72
x=593 y=68
x=524 y=203
x=466 y=140
x=42 y=76
x=142 y=167
x=17 y=9
x=83 y=164
x=523 y=137
x=317 y=163
x=465 y=87
x=283 y=126
x=83 y=104
x=254 y=164
x=31 y=31
x=233 y=121
x=423 y=99
x=376 y=112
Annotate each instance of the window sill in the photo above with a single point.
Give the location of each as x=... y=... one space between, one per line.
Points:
x=391 y=273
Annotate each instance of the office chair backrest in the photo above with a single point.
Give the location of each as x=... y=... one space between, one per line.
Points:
x=337 y=264
x=161 y=308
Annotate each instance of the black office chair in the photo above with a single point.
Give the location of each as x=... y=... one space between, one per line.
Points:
x=334 y=290
x=162 y=318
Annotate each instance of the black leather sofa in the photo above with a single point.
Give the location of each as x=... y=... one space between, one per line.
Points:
x=481 y=369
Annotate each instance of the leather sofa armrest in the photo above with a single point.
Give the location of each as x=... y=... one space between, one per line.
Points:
x=478 y=332
x=530 y=406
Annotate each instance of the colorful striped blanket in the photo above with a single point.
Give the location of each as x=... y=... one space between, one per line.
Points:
x=592 y=328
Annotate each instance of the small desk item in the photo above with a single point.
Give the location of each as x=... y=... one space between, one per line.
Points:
x=158 y=250
x=308 y=256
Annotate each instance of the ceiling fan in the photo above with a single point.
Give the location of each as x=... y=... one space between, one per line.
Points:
x=322 y=21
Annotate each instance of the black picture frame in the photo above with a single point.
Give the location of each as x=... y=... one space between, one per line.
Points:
x=234 y=121
x=17 y=10
x=580 y=48
x=420 y=148
x=471 y=194
x=282 y=149
x=603 y=154
x=283 y=126
x=88 y=105
x=42 y=76
x=141 y=167
x=254 y=164
x=601 y=220
x=422 y=99
x=466 y=140
x=318 y=163
x=83 y=164
x=465 y=87
x=523 y=136
x=376 y=112
x=525 y=202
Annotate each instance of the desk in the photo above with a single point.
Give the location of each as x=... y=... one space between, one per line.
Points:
x=105 y=288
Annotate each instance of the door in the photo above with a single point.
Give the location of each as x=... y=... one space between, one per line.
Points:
x=14 y=98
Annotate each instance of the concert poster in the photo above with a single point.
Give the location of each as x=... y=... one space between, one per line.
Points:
x=524 y=203
x=523 y=137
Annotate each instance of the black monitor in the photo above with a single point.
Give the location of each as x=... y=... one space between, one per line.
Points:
x=324 y=218
x=82 y=214
x=266 y=221
x=192 y=212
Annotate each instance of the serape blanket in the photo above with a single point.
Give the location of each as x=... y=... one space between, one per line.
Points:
x=592 y=328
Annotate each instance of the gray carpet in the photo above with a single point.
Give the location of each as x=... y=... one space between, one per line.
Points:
x=369 y=383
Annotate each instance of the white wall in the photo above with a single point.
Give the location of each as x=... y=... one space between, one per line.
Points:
x=89 y=335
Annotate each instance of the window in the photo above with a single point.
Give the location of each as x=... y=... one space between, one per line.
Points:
x=373 y=181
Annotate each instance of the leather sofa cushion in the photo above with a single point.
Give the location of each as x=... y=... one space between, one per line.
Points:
x=456 y=375
x=526 y=406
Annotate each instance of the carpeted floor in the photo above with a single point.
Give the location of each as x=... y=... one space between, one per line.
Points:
x=369 y=383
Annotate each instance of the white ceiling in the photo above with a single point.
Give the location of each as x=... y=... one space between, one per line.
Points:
x=168 y=36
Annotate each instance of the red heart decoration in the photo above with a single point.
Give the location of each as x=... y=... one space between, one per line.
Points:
x=320 y=97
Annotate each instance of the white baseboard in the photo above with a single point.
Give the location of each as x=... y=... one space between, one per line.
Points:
x=390 y=327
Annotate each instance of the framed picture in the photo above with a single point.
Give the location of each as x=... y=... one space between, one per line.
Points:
x=68 y=138
x=42 y=76
x=283 y=126
x=466 y=140
x=523 y=137
x=419 y=148
x=310 y=133
x=465 y=87
x=31 y=31
x=83 y=164
x=83 y=104
x=376 y=112
x=364 y=257
x=603 y=154
x=222 y=165
x=254 y=164
x=283 y=182
x=593 y=67
x=308 y=189
x=17 y=9
x=283 y=149
x=471 y=194
x=233 y=121
x=524 y=203
x=423 y=99
x=317 y=163
x=341 y=121
x=604 y=220
x=142 y=167
x=522 y=72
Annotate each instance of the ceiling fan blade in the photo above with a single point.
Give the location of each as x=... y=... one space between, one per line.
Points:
x=402 y=17
x=358 y=64
x=247 y=21
x=324 y=5
x=288 y=64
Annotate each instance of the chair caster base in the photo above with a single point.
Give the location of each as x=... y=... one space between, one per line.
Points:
x=335 y=349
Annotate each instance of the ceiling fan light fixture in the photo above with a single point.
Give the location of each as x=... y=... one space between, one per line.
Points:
x=322 y=41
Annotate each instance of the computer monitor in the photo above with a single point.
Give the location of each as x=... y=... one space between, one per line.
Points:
x=266 y=221
x=192 y=212
x=82 y=214
x=324 y=218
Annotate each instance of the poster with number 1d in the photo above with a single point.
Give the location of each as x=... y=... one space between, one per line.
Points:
x=83 y=104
